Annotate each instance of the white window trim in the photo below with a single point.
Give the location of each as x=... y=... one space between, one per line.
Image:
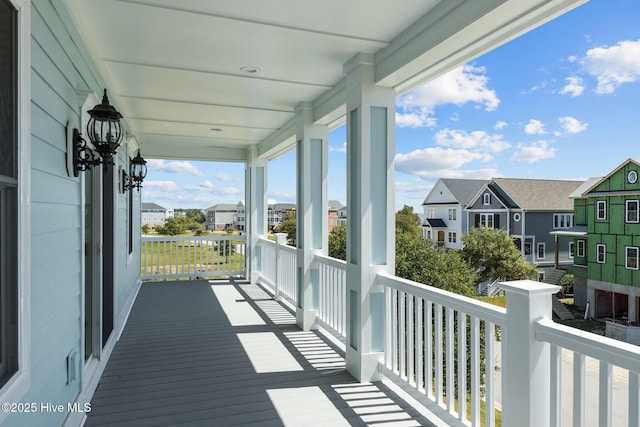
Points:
x=19 y=384
x=604 y=203
x=486 y=216
x=544 y=251
x=486 y=199
x=626 y=257
x=572 y=248
x=626 y=211
x=604 y=253
x=581 y=248
x=568 y=217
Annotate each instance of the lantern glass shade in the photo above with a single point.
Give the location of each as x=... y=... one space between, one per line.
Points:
x=138 y=168
x=104 y=129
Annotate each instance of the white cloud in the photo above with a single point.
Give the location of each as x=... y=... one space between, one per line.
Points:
x=221 y=176
x=410 y=187
x=476 y=140
x=341 y=149
x=500 y=125
x=613 y=65
x=534 y=127
x=574 y=87
x=281 y=198
x=533 y=153
x=459 y=86
x=177 y=167
x=209 y=187
x=433 y=162
x=572 y=125
x=165 y=186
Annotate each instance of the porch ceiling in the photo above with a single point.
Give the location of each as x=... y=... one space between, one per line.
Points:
x=174 y=68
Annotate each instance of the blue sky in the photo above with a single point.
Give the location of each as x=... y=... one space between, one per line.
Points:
x=560 y=102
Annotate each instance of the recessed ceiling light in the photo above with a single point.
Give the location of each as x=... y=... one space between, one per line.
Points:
x=214 y=130
x=250 y=69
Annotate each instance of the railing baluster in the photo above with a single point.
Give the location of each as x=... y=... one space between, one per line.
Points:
x=428 y=333
x=410 y=341
x=402 y=331
x=606 y=391
x=475 y=371
x=438 y=355
x=419 y=345
x=634 y=398
x=462 y=366
x=450 y=368
x=490 y=355
x=578 y=390
x=556 y=386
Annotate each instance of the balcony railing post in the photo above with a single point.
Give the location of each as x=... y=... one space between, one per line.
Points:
x=281 y=239
x=526 y=361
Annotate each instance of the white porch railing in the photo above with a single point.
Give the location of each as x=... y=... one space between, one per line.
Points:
x=192 y=256
x=332 y=306
x=442 y=346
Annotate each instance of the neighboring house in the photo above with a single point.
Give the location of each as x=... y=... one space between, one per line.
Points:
x=154 y=215
x=529 y=209
x=342 y=216
x=332 y=215
x=278 y=212
x=445 y=219
x=221 y=216
x=238 y=218
x=606 y=242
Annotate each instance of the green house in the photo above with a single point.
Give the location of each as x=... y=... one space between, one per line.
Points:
x=606 y=243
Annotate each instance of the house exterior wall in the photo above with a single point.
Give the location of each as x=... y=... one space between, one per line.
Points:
x=55 y=207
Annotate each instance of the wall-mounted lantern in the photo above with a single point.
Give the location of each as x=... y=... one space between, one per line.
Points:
x=137 y=173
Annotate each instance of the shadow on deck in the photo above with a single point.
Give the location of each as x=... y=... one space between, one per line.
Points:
x=224 y=353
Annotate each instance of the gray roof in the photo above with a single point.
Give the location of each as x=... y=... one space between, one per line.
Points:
x=335 y=205
x=152 y=207
x=540 y=194
x=462 y=190
x=434 y=223
x=282 y=206
x=579 y=192
x=222 y=207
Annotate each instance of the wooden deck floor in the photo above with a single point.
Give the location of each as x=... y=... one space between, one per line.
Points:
x=225 y=354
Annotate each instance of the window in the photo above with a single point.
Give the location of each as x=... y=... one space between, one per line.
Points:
x=453 y=237
x=486 y=220
x=632 y=211
x=429 y=212
x=571 y=250
x=601 y=209
x=581 y=247
x=486 y=199
x=631 y=258
x=540 y=251
x=9 y=218
x=452 y=214
x=527 y=248
x=562 y=220
x=601 y=254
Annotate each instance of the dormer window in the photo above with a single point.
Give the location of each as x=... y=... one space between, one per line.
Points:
x=486 y=199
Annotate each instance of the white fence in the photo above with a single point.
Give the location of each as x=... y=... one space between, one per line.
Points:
x=465 y=356
x=192 y=257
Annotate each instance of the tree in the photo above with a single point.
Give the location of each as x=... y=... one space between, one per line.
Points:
x=493 y=255
x=145 y=229
x=196 y=216
x=172 y=226
x=288 y=226
x=418 y=260
x=407 y=221
x=338 y=242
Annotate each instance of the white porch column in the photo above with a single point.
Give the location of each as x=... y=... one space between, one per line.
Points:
x=255 y=211
x=371 y=219
x=525 y=361
x=312 y=157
